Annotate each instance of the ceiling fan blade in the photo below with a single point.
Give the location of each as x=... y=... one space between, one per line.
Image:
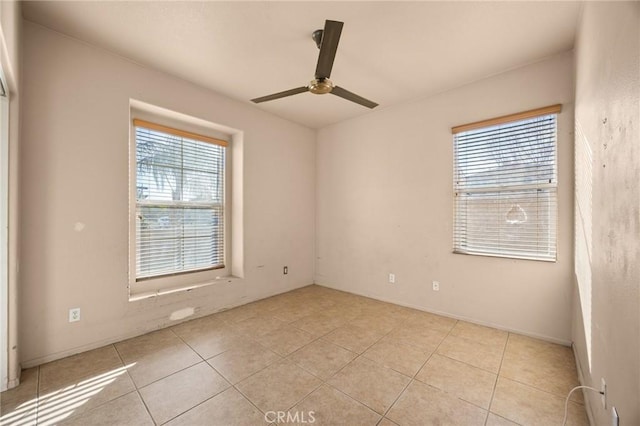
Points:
x=328 y=48
x=343 y=93
x=281 y=94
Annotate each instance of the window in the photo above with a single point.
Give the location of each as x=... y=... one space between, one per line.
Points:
x=505 y=185
x=180 y=201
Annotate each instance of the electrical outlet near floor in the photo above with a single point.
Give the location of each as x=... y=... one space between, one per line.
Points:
x=285 y=270
x=392 y=278
x=436 y=285
x=603 y=395
x=74 y=314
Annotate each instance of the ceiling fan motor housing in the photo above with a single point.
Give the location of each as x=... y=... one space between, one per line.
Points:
x=320 y=86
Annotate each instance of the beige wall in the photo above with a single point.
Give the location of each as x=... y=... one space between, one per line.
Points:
x=10 y=55
x=74 y=169
x=385 y=205
x=606 y=324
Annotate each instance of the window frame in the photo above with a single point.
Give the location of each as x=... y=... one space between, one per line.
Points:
x=180 y=280
x=483 y=124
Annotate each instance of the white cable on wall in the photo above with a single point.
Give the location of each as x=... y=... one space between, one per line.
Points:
x=566 y=401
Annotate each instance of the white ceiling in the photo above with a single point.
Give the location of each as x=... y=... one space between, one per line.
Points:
x=389 y=52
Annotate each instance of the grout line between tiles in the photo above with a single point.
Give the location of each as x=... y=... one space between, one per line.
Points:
x=413 y=378
x=176 y=372
x=315 y=338
x=495 y=385
x=135 y=386
x=38 y=396
x=200 y=403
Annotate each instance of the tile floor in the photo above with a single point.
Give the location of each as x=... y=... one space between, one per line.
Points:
x=317 y=355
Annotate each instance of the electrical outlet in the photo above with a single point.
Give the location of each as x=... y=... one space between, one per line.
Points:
x=436 y=285
x=392 y=278
x=285 y=270
x=603 y=395
x=74 y=314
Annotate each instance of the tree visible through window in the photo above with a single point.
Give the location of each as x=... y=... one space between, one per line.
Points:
x=505 y=184
x=179 y=201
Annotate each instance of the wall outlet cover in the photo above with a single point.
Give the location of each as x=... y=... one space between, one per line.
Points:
x=74 y=314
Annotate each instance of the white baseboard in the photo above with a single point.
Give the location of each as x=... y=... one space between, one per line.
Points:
x=143 y=330
x=585 y=395
x=458 y=317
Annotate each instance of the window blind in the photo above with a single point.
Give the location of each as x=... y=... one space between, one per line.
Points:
x=179 y=201
x=505 y=184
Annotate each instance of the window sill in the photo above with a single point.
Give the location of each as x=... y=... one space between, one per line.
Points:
x=134 y=297
x=505 y=256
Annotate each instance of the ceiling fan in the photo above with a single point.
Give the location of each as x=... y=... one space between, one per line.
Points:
x=327 y=41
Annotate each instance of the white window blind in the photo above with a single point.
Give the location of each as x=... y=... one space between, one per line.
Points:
x=505 y=183
x=179 y=201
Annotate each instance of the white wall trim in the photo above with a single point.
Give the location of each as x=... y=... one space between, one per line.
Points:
x=144 y=330
x=587 y=401
x=4 y=241
x=454 y=316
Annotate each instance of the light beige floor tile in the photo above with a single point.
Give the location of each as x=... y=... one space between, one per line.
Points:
x=479 y=355
x=241 y=362
x=461 y=380
x=528 y=345
x=378 y=323
x=156 y=355
x=67 y=371
x=343 y=312
x=126 y=410
x=225 y=409
x=318 y=324
x=529 y=406
x=18 y=405
x=240 y=313
x=175 y=394
x=259 y=325
x=322 y=359
x=370 y=383
x=354 y=338
x=285 y=340
x=403 y=358
x=76 y=398
x=479 y=333
x=209 y=338
x=495 y=420
x=429 y=320
x=95 y=387
x=291 y=313
x=427 y=339
x=325 y=302
x=328 y=406
x=540 y=364
x=271 y=303
x=279 y=386
x=197 y=326
x=423 y=405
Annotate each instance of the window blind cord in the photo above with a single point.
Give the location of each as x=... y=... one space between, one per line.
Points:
x=566 y=401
